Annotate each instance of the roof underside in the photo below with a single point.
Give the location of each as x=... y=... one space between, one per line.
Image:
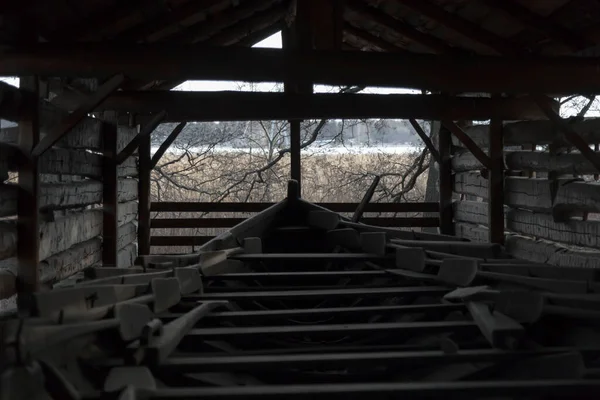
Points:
x=486 y=27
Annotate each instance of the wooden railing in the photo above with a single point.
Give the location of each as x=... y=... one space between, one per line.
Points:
x=251 y=208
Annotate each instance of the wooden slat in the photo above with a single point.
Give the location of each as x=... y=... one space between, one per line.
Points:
x=235 y=106
x=420 y=71
x=110 y=194
x=550 y=253
x=86 y=107
x=257 y=207
x=445 y=181
x=28 y=204
x=496 y=183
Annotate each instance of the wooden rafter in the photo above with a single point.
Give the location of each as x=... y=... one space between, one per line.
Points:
x=536 y=21
x=245 y=30
x=452 y=74
x=238 y=106
x=468 y=142
x=146 y=130
x=428 y=143
x=570 y=134
x=88 y=105
x=464 y=27
x=166 y=144
x=372 y=39
x=431 y=42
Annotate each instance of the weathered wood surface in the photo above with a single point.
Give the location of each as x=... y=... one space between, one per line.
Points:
x=86 y=135
x=65 y=195
x=475 y=233
x=127 y=255
x=127 y=234
x=538 y=225
x=567 y=163
x=535 y=194
x=127 y=212
x=534 y=132
x=61 y=265
x=546 y=252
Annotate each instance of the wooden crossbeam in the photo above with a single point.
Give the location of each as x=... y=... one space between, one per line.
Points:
x=166 y=144
x=88 y=105
x=481 y=74
x=434 y=44
x=434 y=153
x=462 y=26
x=238 y=106
x=146 y=130
x=570 y=134
x=372 y=39
x=538 y=22
x=469 y=143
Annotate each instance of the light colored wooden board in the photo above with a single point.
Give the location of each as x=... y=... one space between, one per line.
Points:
x=542 y=251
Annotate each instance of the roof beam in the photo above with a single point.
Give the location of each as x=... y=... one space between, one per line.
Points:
x=235 y=106
x=434 y=44
x=245 y=30
x=536 y=21
x=478 y=74
x=466 y=28
x=372 y=39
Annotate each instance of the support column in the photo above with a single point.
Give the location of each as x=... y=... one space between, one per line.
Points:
x=110 y=191
x=28 y=237
x=496 y=183
x=446 y=181
x=144 y=196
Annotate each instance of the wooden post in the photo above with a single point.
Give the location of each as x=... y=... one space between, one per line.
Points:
x=496 y=183
x=144 y=196
x=110 y=190
x=28 y=279
x=446 y=181
x=295 y=159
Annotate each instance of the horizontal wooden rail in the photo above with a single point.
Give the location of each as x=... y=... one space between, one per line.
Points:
x=257 y=207
x=179 y=240
x=230 y=222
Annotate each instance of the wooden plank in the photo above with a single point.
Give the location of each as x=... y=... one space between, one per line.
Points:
x=86 y=107
x=475 y=233
x=428 y=143
x=496 y=183
x=163 y=206
x=144 y=203
x=551 y=253
x=184 y=106
x=564 y=164
x=127 y=255
x=110 y=202
x=536 y=194
x=164 y=146
x=127 y=235
x=483 y=158
x=371 y=39
x=146 y=131
x=28 y=204
x=127 y=212
x=535 y=132
x=295 y=156
x=474 y=212
x=446 y=74
x=445 y=181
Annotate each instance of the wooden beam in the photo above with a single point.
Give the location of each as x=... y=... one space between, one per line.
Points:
x=144 y=202
x=326 y=21
x=555 y=75
x=432 y=43
x=372 y=39
x=87 y=106
x=244 y=33
x=571 y=135
x=110 y=194
x=166 y=144
x=528 y=18
x=469 y=143
x=145 y=131
x=463 y=26
x=445 y=181
x=496 y=183
x=428 y=143
x=28 y=238
x=237 y=106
